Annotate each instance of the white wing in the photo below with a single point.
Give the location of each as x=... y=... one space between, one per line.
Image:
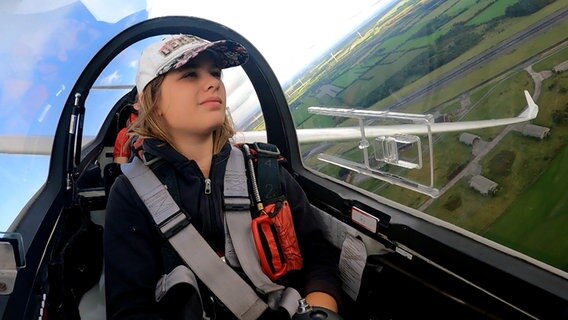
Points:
x=351 y=133
x=41 y=145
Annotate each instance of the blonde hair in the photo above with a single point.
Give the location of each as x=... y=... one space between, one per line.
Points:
x=148 y=124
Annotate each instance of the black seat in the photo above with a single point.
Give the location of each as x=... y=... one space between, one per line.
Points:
x=76 y=264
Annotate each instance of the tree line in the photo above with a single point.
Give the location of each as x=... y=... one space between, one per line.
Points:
x=526 y=7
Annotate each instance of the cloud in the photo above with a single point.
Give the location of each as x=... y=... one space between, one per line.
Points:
x=110 y=79
x=13 y=90
x=120 y=9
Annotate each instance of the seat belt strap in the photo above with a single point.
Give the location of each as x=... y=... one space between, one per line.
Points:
x=238 y=221
x=268 y=174
x=179 y=275
x=238 y=218
x=174 y=224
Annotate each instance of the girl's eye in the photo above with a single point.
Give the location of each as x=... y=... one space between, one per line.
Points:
x=216 y=73
x=190 y=74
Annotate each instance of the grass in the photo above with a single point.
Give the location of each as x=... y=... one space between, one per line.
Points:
x=374 y=77
x=504 y=100
x=446 y=165
x=350 y=76
x=552 y=99
x=539 y=217
x=457 y=7
x=496 y=10
x=530 y=210
x=552 y=61
x=484 y=74
x=475 y=213
x=495 y=67
x=474 y=11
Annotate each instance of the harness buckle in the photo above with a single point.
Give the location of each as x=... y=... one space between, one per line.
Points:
x=237 y=203
x=266 y=148
x=174 y=224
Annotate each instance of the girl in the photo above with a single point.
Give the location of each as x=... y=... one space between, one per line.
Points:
x=183 y=122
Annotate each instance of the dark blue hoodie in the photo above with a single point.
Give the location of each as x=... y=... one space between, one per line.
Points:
x=136 y=256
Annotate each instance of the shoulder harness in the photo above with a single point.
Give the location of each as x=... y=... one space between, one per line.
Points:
x=240 y=249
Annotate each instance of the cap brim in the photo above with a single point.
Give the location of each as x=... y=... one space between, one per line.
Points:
x=230 y=54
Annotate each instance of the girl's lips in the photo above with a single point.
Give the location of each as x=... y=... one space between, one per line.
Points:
x=211 y=100
x=212 y=103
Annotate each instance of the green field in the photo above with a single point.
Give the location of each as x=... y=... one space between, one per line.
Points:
x=457 y=7
x=505 y=99
x=495 y=10
x=465 y=208
x=493 y=68
x=491 y=101
x=536 y=222
x=552 y=61
x=525 y=168
x=540 y=177
x=475 y=11
x=373 y=77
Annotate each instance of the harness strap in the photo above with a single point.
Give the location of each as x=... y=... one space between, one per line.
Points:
x=174 y=224
x=180 y=275
x=238 y=218
x=268 y=176
x=238 y=221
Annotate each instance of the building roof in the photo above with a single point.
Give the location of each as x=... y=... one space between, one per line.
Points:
x=561 y=67
x=328 y=89
x=533 y=130
x=482 y=184
x=469 y=138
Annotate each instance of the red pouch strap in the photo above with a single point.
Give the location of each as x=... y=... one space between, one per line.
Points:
x=281 y=216
x=272 y=261
x=275 y=241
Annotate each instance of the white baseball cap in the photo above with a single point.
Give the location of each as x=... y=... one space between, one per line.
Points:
x=175 y=51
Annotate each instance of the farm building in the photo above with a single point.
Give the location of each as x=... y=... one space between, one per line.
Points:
x=561 y=67
x=469 y=139
x=441 y=117
x=532 y=130
x=329 y=90
x=483 y=185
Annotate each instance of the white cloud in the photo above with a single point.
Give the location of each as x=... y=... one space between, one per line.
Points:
x=120 y=9
x=110 y=79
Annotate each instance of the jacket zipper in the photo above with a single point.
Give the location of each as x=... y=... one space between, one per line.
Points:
x=207 y=186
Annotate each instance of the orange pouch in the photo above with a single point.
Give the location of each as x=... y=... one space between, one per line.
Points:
x=275 y=240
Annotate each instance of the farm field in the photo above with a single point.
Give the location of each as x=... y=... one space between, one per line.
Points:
x=475 y=61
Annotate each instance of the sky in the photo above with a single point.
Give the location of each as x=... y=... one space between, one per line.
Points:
x=33 y=86
x=315 y=25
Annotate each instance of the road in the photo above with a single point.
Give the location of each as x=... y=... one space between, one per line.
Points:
x=473 y=167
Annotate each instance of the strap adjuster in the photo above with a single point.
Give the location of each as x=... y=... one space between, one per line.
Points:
x=237 y=203
x=267 y=149
x=174 y=224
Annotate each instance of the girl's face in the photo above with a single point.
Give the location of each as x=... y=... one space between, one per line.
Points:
x=192 y=99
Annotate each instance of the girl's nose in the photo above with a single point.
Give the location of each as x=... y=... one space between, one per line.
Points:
x=212 y=82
